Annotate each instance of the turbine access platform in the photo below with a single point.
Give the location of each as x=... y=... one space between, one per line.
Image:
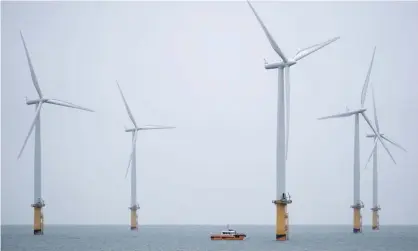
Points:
x=282 y=218
x=375 y=220
x=38 y=221
x=134 y=217
x=357 y=217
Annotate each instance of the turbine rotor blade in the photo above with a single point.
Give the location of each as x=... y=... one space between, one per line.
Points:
x=378 y=136
x=32 y=71
x=371 y=154
x=132 y=153
x=273 y=43
x=313 y=48
x=307 y=48
x=153 y=128
x=67 y=104
x=340 y=115
x=287 y=97
x=157 y=125
x=374 y=111
x=38 y=110
x=393 y=143
x=366 y=82
x=126 y=106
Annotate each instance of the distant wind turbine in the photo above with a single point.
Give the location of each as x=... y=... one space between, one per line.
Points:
x=283 y=123
x=38 y=204
x=376 y=207
x=358 y=204
x=134 y=205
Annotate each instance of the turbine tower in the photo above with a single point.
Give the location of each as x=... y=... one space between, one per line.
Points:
x=134 y=205
x=282 y=200
x=376 y=207
x=38 y=204
x=357 y=203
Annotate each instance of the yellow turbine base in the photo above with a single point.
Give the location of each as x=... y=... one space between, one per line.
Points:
x=134 y=222
x=375 y=221
x=357 y=220
x=38 y=221
x=281 y=222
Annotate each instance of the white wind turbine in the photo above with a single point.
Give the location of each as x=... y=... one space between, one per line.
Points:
x=283 y=68
x=38 y=201
x=376 y=207
x=357 y=203
x=134 y=205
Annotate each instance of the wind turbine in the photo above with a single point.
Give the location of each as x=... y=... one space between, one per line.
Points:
x=376 y=207
x=38 y=204
x=357 y=203
x=283 y=123
x=134 y=205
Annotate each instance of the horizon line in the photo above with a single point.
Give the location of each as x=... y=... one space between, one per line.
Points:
x=201 y=224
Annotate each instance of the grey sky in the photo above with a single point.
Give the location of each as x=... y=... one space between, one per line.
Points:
x=199 y=66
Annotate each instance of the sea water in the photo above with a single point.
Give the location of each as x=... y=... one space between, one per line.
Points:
x=196 y=238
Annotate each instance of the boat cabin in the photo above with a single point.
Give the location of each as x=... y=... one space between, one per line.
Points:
x=229 y=232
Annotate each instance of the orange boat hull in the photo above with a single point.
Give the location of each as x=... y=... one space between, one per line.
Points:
x=218 y=237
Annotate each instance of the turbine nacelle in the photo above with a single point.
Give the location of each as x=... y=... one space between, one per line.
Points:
x=35 y=101
x=56 y=102
x=373 y=135
x=345 y=114
x=132 y=130
x=148 y=128
x=358 y=111
x=279 y=65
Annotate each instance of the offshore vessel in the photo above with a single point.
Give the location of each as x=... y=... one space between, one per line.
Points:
x=228 y=234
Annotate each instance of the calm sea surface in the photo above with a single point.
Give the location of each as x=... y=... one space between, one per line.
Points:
x=191 y=238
